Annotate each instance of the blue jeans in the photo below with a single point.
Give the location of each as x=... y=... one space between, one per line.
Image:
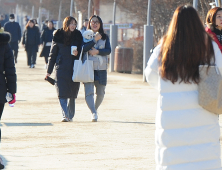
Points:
x=89 y=95
x=68 y=107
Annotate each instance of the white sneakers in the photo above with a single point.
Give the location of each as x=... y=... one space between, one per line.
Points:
x=64 y=120
x=94 y=117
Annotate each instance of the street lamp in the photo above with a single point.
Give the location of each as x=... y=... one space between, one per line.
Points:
x=113 y=38
x=148 y=38
x=195 y=4
x=89 y=9
x=40 y=14
x=218 y=3
x=59 y=22
x=33 y=11
x=71 y=7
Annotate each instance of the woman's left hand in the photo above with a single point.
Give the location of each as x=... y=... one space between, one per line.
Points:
x=93 y=51
x=75 y=52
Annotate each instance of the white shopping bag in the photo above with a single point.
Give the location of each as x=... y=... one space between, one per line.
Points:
x=83 y=71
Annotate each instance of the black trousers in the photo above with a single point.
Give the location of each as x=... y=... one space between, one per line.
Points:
x=1 y=111
x=14 y=47
x=31 y=55
x=46 y=60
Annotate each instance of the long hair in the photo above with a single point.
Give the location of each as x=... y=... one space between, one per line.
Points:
x=185 y=46
x=211 y=17
x=101 y=30
x=68 y=34
x=27 y=25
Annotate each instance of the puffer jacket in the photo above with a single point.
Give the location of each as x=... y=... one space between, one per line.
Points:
x=187 y=136
x=7 y=68
x=63 y=61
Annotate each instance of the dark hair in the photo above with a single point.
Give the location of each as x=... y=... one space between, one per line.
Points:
x=35 y=21
x=27 y=25
x=68 y=34
x=101 y=31
x=185 y=46
x=211 y=17
x=52 y=23
x=12 y=16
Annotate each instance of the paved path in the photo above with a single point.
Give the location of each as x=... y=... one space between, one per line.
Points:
x=34 y=138
x=123 y=138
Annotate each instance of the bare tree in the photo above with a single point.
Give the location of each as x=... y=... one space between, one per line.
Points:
x=161 y=14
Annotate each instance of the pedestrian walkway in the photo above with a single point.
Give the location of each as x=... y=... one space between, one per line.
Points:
x=34 y=138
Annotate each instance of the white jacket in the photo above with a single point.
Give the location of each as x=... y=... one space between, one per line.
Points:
x=186 y=136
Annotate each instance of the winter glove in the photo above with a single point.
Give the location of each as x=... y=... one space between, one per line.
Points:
x=12 y=102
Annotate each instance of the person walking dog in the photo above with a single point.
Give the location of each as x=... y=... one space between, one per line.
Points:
x=98 y=49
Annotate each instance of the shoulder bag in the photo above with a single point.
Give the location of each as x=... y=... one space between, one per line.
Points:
x=83 y=71
x=210 y=89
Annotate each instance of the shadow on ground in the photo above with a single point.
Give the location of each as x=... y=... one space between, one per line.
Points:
x=28 y=124
x=131 y=122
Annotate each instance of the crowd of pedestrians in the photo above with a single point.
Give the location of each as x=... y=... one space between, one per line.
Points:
x=187 y=136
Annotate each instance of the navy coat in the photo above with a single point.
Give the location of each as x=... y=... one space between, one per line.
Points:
x=7 y=68
x=63 y=60
x=31 y=36
x=14 y=29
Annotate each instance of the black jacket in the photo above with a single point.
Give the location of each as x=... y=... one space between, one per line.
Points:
x=7 y=68
x=61 y=57
x=31 y=36
x=46 y=36
x=14 y=29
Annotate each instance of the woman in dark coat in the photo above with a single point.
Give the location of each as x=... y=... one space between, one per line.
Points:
x=62 y=58
x=7 y=72
x=46 y=39
x=31 y=41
